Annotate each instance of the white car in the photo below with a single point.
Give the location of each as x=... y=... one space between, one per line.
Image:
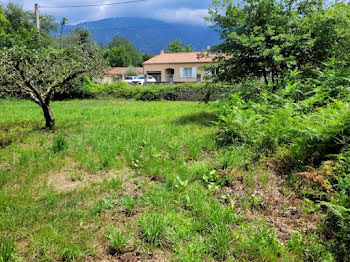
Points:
x=128 y=79
x=140 y=80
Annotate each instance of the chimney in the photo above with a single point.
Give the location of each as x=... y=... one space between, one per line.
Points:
x=162 y=51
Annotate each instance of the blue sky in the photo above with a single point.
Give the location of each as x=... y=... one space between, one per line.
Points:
x=184 y=11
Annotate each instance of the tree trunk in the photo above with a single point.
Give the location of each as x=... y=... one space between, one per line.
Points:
x=50 y=120
x=265 y=77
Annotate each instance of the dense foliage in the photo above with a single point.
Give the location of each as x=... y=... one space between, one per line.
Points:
x=122 y=52
x=291 y=107
x=268 y=38
x=180 y=92
x=179 y=46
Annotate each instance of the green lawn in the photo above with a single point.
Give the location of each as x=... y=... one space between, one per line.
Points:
x=130 y=180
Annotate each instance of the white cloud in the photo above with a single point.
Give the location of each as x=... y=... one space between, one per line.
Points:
x=182 y=15
x=183 y=11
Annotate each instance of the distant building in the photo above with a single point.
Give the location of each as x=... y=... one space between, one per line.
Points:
x=117 y=73
x=180 y=67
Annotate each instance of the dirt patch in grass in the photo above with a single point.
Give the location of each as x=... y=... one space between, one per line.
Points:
x=4 y=142
x=281 y=208
x=132 y=184
x=122 y=219
x=70 y=178
x=22 y=246
x=129 y=255
x=4 y=165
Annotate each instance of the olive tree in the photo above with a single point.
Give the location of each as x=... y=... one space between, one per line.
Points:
x=40 y=72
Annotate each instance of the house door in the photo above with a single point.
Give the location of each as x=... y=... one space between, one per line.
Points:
x=170 y=74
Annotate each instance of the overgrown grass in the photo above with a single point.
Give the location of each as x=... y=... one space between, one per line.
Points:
x=139 y=177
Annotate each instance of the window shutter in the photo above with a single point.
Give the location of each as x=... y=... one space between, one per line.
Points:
x=194 y=72
x=181 y=72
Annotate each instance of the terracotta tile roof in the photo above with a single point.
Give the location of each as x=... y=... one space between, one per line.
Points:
x=122 y=70
x=180 y=58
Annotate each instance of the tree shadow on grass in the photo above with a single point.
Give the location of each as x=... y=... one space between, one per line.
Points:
x=202 y=118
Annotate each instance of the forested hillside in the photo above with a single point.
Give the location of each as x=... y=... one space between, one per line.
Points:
x=149 y=35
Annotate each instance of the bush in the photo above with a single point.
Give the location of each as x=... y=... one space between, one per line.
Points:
x=312 y=125
x=77 y=88
x=154 y=92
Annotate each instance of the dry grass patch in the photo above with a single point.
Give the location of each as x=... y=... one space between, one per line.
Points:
x=268 y=200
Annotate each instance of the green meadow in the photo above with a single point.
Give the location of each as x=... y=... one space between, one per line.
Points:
x=122 y=180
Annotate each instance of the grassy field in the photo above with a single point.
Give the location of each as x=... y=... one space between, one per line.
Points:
x=127 y=181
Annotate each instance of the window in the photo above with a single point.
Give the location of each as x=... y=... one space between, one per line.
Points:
x=187 y=72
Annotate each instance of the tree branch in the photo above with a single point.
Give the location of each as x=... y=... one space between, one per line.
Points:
x=51 y=89
x=33 y=91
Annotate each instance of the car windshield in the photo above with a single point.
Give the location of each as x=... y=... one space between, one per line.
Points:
x=128 y=78
x=140 y=77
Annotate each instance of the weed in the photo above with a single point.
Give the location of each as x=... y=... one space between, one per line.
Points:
x=102 y=205
x=7 y=249
x=70 y=253
x=255 y=200
x=192 y=251
x=59 y=144
x=220 y=239
x=114 y=183
x=153 y=229
x=119 y=240
x=76 y=177
x=129 y=202
x=180 y=183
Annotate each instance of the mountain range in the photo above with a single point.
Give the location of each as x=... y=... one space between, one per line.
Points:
x=149 y=35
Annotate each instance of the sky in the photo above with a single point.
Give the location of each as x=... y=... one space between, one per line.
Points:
x=184 y=11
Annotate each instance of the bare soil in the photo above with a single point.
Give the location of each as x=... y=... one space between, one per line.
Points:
x=282 y=209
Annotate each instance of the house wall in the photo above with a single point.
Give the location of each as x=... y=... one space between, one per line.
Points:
x=103 y=80
x=177 y=77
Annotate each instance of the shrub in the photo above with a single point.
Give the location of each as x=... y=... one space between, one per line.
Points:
x=153 y=92
x=77 y=88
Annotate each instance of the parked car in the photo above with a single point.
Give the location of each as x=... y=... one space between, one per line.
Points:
x=140 y=80
x=128 y=79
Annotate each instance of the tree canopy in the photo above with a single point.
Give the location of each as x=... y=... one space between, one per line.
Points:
x=122 y=53
x=19 y=18
x=177 y=46
x=265 y=38
x=3 y=23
